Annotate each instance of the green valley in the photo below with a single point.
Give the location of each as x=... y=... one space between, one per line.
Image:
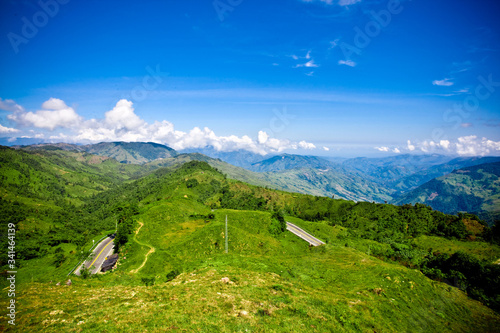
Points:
x=383 y=267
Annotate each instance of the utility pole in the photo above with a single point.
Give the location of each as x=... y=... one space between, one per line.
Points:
x=226 y=234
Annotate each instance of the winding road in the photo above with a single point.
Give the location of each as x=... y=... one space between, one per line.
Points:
x=304 y=235
x=99 y=255
x=151 y=249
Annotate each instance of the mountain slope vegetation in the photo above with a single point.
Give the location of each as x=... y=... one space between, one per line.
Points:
x=368 y=277
x=123 y=152
x=472 y=189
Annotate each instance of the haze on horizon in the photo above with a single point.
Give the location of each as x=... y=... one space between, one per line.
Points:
x=317 y=77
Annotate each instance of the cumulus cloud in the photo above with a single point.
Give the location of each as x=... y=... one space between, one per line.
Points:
x=306 y=145
x=7 y=130
x=55 y=113
x=443 y=83
x=326 y=149
x=396 y=150
x=473 y=146
x=10 y=105
x=349 y=63
x=121 y=123
x=463 y=146
x=410 y=146
x=384 y=149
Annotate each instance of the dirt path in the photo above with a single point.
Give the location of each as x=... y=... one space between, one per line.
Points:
x=152 y=249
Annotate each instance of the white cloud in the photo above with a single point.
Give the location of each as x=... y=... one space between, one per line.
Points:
x=466 y=125
x=6 y=130
x=445 y=144
x=443 y=83
x=349 y=63
x=410 y=146
x=396 y=150
x=306 y=145
x=385 y=149
x=463 y=146
x=339 y=2
x=122 y=116
x=121 y=123
x=472 y=146
x=262 y=137
x=10 y=105
x=55 y=113
x=328 y=2
x=348 y=2
x=308 y=64
x=326 y=149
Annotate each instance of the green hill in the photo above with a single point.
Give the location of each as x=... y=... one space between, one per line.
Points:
x=123 y=152
x=472 y=189
x=173 y=272
x=132 y=152
x=287 y=162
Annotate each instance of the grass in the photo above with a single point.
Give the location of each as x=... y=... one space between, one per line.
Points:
x=275 y=283
x=481 y=250
x=265 y=294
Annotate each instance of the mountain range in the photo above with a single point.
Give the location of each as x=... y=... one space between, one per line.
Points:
x=398 y=179
x=170 y=215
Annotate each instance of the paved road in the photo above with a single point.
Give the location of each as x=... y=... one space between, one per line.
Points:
x=304 y=235
x=103 y=250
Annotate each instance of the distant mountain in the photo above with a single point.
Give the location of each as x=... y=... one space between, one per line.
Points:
x=358 y=179
x=411 y=182
x=132 y=152
x=390 y=170
x=287 y=162
x=474 y=189
x=335 y=181
x=240 y=158
x=123 y=152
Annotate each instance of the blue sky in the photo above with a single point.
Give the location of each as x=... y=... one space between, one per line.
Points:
x=323 y=77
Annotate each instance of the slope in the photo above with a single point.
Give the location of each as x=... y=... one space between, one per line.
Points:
x=287 y=162
x=269 y=281
x=124 y=152
x=471 y=189
x=332 y=182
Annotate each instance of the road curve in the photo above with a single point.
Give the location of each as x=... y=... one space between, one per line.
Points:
x=304 y=235
x=103 y=250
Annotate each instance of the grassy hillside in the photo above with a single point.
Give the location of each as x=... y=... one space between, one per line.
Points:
x=331 y=182
x=44 y=193
x=123 y=152
x=132 y=152
x=287 y=162
x=471 y=189
x=173 y=273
